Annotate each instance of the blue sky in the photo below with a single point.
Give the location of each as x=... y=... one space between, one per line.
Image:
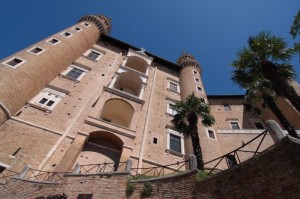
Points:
x=211 y=30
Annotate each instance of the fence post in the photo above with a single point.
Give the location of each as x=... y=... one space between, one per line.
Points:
x=76 y=168
x=128 y=165
x=24 y=171
x=275 y=130
x=192 y=162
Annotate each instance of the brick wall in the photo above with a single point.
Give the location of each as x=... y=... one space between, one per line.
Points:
x=272 y=174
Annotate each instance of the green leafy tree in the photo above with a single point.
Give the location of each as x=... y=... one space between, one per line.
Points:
x=186 y=120
x=263 y=69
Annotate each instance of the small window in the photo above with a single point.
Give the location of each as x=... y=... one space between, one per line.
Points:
x=93 y=55
x=85 y=196
x=226 y=107
x=197 y=79
x=53 y=41
x=2 y=169
x=170 y=109
x=74 y=73
x=14 y=62
x=47 y=99
x=173 y=87
x=259 y=125
x=36 y=50
x=86 y=24
x=211 y=134
x=231 y=160
x=234 y=125
x=199 y=89
x=154 y=140
x=76 y=28
x=66 y=34
x=195 y=72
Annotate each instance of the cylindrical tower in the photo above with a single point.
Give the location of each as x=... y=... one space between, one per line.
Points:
x=24 y=74
x=190 y=76
x=191 y=82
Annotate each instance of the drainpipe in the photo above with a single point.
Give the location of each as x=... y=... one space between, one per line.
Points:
x=141 y=155
x=61 y=139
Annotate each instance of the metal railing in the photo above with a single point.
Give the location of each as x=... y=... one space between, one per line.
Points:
x=103 y=167
x=44 y=176
x=157 y=171
x=6 y=175
x=233 y=158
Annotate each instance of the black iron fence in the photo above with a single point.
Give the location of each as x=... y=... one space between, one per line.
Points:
x=103 y=167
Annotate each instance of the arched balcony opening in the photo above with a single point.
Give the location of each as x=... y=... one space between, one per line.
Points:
x=137 y=63
x=118 y=112
x=129 y=82
x=101 y=147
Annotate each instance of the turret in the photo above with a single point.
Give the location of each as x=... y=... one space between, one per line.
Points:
x=190 y=76
x=25 y=73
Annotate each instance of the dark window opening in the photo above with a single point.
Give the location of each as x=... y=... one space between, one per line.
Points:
x=85 y=196
x=67 y=34
x=50 y=103
x=93 y=55
x=173 y=87
x=53 y=41
x=107 y=120
x=2 y=169
x=14 y=62
x=175 y=143
x=227 y=107
x=43 y=101
x=234 y=125
x=36 y=50
x=154 y=140
x=259 y=125
x=231 y=161
x=211 y=134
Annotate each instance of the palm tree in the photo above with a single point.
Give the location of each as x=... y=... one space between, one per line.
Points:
x=267 y=57
x=263 y=70
x=186 y=119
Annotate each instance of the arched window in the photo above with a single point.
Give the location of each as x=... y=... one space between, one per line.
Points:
x=137 y=63
x=129 y=82
x=117 y=111
x=101 y=147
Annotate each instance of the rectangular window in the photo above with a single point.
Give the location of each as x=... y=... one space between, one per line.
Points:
x=93 y=55
x=211 y=134
x=66 y=34
x=234 y=125
x=53 y=41
x=14 y=62
x=47 y=99
x=74 y=73
x=258 y=125
x=173 y=87
x=175 y=143
x=77 y=29
x=170 y=109
x=226 y=107
x=36 y=50
x=231 y=161
x=85 y=24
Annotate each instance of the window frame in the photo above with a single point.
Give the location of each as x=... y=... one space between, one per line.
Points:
x=30 y=50
x=170 y=82
x=226 y=107
x=195 y=72
x=175 y=133
x=170 y=110
x=86 y=54
x=44 y=94
x=66 y=32
x=214 y=134
x=74 y=28
x=234 y=122
x=85 y=24
x=53 y=38
x=199 y=90
x=70 y=68
x=15 y=66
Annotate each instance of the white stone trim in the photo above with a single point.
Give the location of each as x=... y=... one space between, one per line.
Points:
x=54 y=44
x=170 y=131
x=17 y=65
x=30 y=50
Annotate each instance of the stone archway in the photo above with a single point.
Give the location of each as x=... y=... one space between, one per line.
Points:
x=101 y=147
